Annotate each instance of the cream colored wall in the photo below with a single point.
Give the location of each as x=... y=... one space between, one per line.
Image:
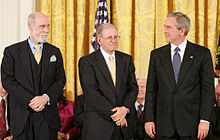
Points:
x=13 y=25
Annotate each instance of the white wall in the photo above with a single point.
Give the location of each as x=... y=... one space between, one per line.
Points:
x=13 y=24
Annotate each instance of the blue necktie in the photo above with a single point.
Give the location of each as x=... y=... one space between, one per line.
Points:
x=176 y=63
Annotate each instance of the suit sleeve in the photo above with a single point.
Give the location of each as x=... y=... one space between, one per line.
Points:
x=91 y=90
x=207 y=98
x=79 y=111
x=9 y=81
x=132 y=88
x=151 y=91
x=56 y=88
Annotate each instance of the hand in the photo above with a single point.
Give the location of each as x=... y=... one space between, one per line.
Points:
x=122 y=123
x=203 y=130
x=38 y=103
x=8 y=138
x=63 y=136
x=150 y=129
x=120 y=113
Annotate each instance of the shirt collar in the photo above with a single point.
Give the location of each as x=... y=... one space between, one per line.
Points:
x=182 y=46
x=106 y=55
x=32 y=44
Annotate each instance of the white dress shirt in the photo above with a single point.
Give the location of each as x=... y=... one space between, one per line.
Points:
x=137 y=104
x=106 y=56
x=182 y=48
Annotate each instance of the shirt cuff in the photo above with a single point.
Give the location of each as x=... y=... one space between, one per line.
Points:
x=48 y=102
x=204 y=121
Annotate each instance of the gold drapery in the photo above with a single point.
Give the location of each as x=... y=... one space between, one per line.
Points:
x=140 y=25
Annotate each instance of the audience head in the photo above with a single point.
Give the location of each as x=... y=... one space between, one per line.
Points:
x=217 y=94
x=38 y=26
x=107 y=37
x=176 y=27
x=142 y=90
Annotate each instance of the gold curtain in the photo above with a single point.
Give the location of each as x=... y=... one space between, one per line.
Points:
x=140 y=25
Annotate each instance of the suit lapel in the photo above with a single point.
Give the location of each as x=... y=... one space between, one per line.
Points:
x=45 y=60
x=104 y=68
x=186 y=63
x=119 y=69
x=167 y=64
x=26 y=61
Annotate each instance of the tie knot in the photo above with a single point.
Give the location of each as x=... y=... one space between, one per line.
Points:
x=37 y=47
x=177 y=49
x=111 y=58
x=140 y=106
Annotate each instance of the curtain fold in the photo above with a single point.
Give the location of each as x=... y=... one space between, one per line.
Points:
x=140 y=26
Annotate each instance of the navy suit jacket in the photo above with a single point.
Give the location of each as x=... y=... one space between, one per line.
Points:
x=180 y=106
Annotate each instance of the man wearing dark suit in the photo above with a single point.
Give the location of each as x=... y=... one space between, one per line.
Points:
x=79 y=113
x=180 y=86
x=108 y=81
x=34 y=77
x=139 y=130
x=4 y=96
x=216 y=129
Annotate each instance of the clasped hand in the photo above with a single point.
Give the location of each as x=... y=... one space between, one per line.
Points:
x=119 y=116
x=38 y=103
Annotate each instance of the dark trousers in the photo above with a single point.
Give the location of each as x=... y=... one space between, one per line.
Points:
x=176 y=137
x=117 y=134
x=36 y=128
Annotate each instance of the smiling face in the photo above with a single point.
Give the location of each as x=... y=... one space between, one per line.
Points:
x=172 y=33
x=109 y=39
x=39 y=29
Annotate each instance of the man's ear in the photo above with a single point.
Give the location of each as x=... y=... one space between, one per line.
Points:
x=30 y=27
x=99 y=40
x=183 y=30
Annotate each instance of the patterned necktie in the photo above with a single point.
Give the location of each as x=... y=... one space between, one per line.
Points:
x=112 y=68
x=139 y=112
x=3 y=128
x=37 y=55
x=176 y=63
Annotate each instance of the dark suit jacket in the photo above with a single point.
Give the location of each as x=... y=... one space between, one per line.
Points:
x=180 y=107
x=17 y=79
x=216 y=129
x=79 y=113
x=100 y=94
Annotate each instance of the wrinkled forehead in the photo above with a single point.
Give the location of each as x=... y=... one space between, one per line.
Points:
x=109 y=31
x=41 y=20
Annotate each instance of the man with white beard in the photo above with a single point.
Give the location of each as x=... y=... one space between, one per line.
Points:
x=33 y=75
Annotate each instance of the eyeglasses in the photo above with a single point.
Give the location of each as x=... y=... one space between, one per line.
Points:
x=110 y=38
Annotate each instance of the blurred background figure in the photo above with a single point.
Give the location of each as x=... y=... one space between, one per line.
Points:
x=140 y=133
x=4 y=114
x=68 y=130
x=216 y=130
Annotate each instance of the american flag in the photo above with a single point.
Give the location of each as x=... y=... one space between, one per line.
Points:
x=218 y=56
x=100 y=18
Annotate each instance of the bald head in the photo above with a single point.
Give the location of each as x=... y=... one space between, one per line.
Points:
x=35 y=15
